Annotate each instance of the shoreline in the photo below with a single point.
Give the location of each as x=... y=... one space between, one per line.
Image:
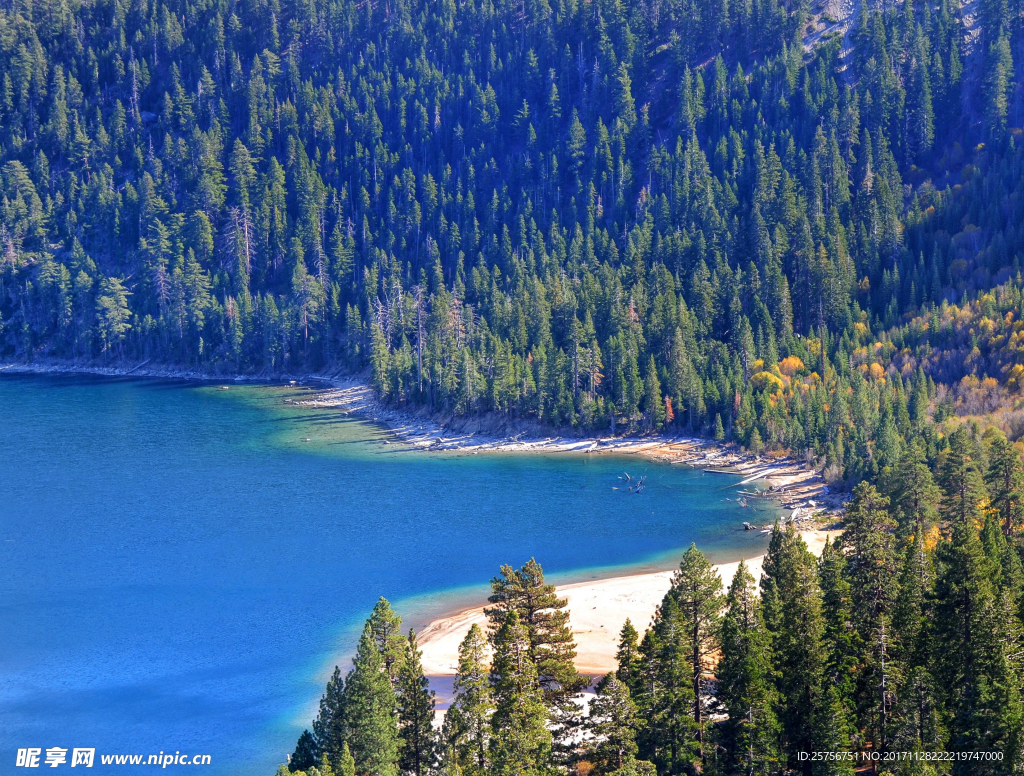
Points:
x=598 y=607
x=597 y=611
x=788 y=481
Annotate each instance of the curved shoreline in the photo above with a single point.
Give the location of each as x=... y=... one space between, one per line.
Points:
x=790 y=482
x=598 y=607
x=601 y=606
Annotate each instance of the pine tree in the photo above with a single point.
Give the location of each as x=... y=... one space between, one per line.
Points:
x=792 y=607
x=330 y=726
x=917 y=723
x=841 y=638
x=386 y=626
x=112 y=313
x=831 y=733
x=666 y=700
x=467 y=724
x=653 y=402
x=747 y=686
x=719 y=432
x=325 y=768
x=416 y=754
x=371 y=709
x=612 y=721
x=871 y=568
x=1005 y=477
x=912 y=606
x=920 y=113
x=628 y=657
x=306 y=754
x=697 y=590
x=998 y=72
x=912 y=493
x=521 y=743
x=979 y=687
x=960 y=480
x=346 y=765
x=552 y=647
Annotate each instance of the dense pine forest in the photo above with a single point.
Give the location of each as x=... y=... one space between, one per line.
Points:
x=588 y=213
x=898 y=651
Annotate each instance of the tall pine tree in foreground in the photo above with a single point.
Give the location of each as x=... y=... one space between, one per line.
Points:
x=1005 y=478
x=371 y=709
x=466 y=733
x=912 y=492
x=628 y=657
x=792 y=608
x=979 y=685
x=841 y=638
x=751 y=734
x=306 y=754
x=417 y=752
x=521 y=741
x=330 y=728
x=612 y=722
x=665 y=697
x=552 y=646
x=697 y=589
x=386 y=628
x=871 y=562
x=960 y=479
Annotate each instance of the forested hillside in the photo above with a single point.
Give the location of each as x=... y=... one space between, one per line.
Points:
x=600 y=214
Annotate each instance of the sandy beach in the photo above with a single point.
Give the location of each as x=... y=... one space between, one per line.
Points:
x=597 y=611
x=598 y=608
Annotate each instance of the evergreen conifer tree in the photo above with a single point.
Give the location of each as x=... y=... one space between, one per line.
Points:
x=917 y=723
x=417 y=753
x=792 y=606
x=306 y=754
x=628 y=656
x=871 y=568
x=697 y=590
x=386 y=627
x=330 y=727
x=831 y=733
x=1005 y=477
x=960 y=480
x=747 y=686
x=912 y=606
x=666 y=700
x=466 y=731
x=912 y=494
x=978 y=684
x=521 y=742
x=841 y=638
x=371 y=710
x=612 y=722
x=552 y=647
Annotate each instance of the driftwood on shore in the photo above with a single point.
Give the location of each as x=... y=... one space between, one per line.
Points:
x=791 y=482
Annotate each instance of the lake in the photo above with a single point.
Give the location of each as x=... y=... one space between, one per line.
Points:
x=180 y=569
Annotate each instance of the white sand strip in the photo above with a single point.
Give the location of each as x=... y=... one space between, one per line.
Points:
x=598 y=610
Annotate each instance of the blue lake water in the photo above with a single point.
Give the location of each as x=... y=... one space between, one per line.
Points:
x=180 y=568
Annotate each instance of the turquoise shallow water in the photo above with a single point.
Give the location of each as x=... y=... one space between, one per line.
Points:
x=180 y=568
